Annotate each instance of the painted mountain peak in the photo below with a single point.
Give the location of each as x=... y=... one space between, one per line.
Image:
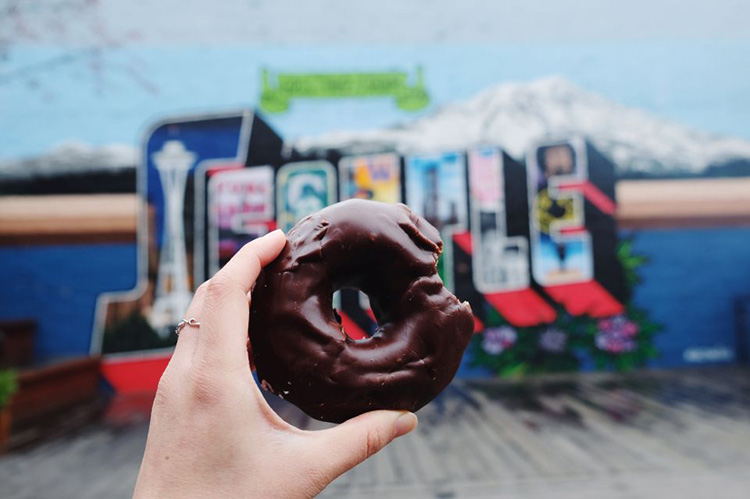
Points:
x=514 y=115
x=72 y=167
x=510 y=115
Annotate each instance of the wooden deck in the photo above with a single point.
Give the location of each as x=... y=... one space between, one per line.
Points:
x=676 y=434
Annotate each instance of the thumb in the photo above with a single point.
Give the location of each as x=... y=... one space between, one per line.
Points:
x=350 y=443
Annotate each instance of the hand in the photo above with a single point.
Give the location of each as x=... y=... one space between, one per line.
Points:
x=212 y=433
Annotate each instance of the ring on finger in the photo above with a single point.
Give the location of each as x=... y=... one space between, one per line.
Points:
x=192 y=322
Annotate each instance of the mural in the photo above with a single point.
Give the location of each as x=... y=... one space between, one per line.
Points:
x=376 y=177
x=240 y=209
x=279 y=89
x=534 y=248
x=302 y=189
x=201 y=206
x=555 y=171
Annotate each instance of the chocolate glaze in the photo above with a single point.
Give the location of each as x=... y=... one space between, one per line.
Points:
x=300 y=350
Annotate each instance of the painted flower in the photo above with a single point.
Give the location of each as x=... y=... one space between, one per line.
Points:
x=617 y=335
x=553 y=340
x=498 y=339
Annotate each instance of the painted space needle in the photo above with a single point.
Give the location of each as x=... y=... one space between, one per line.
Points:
x=173 y=295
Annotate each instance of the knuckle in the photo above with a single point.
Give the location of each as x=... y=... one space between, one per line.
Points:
x=204 y=391
x=375 y=440
x=201 y=291
x=163 y=390
x=219 y=287
x=250 y=255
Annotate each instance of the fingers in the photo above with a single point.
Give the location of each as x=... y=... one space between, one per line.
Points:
x=224 y=318
x=352 y=442
x=188 y=337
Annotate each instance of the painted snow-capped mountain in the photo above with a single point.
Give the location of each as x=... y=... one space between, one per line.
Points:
x=72 y=157
x=514 y=115
x=72 y=168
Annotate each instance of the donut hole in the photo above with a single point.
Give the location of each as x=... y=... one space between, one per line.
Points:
x=361 y=321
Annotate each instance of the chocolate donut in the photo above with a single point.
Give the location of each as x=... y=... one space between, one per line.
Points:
x=302 y=352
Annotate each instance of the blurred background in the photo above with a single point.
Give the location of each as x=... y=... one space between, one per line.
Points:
x=587 y=164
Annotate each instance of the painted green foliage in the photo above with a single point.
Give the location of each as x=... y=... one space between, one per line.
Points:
x=276 y=95
x=8 y=386
x=620 y=343
x=134 y=333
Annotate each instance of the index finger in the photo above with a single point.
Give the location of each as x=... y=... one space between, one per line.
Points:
x=225 y=315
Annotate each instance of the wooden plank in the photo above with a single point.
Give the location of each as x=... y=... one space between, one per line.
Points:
x=403 y=468
x=706 y=419
x=440 y=444
x=527 y=441
x=431 y=468
x=68 y=218
x=683 y=203
x=627 y=436
x=669 y=446
x=642 y=204
x=486 y=445
x=47 y=390
x=583 y=445
x=511 y=461
x=17 y=343
x=688 y=433
x=461 y=443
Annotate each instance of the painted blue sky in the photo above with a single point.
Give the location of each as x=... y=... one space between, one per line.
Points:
x=78 y=87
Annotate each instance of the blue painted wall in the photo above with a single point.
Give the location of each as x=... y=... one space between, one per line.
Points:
x=58 y=287
x=689 y=286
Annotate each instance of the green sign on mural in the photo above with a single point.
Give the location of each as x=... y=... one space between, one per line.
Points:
x=278 y=89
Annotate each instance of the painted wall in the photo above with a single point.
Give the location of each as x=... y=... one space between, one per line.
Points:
x=689 y=286
x=660 y=91
x=58 y=287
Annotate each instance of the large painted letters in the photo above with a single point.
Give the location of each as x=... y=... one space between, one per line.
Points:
x=519 y=240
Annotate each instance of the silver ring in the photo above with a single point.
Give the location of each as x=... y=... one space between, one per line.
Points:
x=193 y=322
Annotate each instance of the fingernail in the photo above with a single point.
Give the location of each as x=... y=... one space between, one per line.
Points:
x=405 y=423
